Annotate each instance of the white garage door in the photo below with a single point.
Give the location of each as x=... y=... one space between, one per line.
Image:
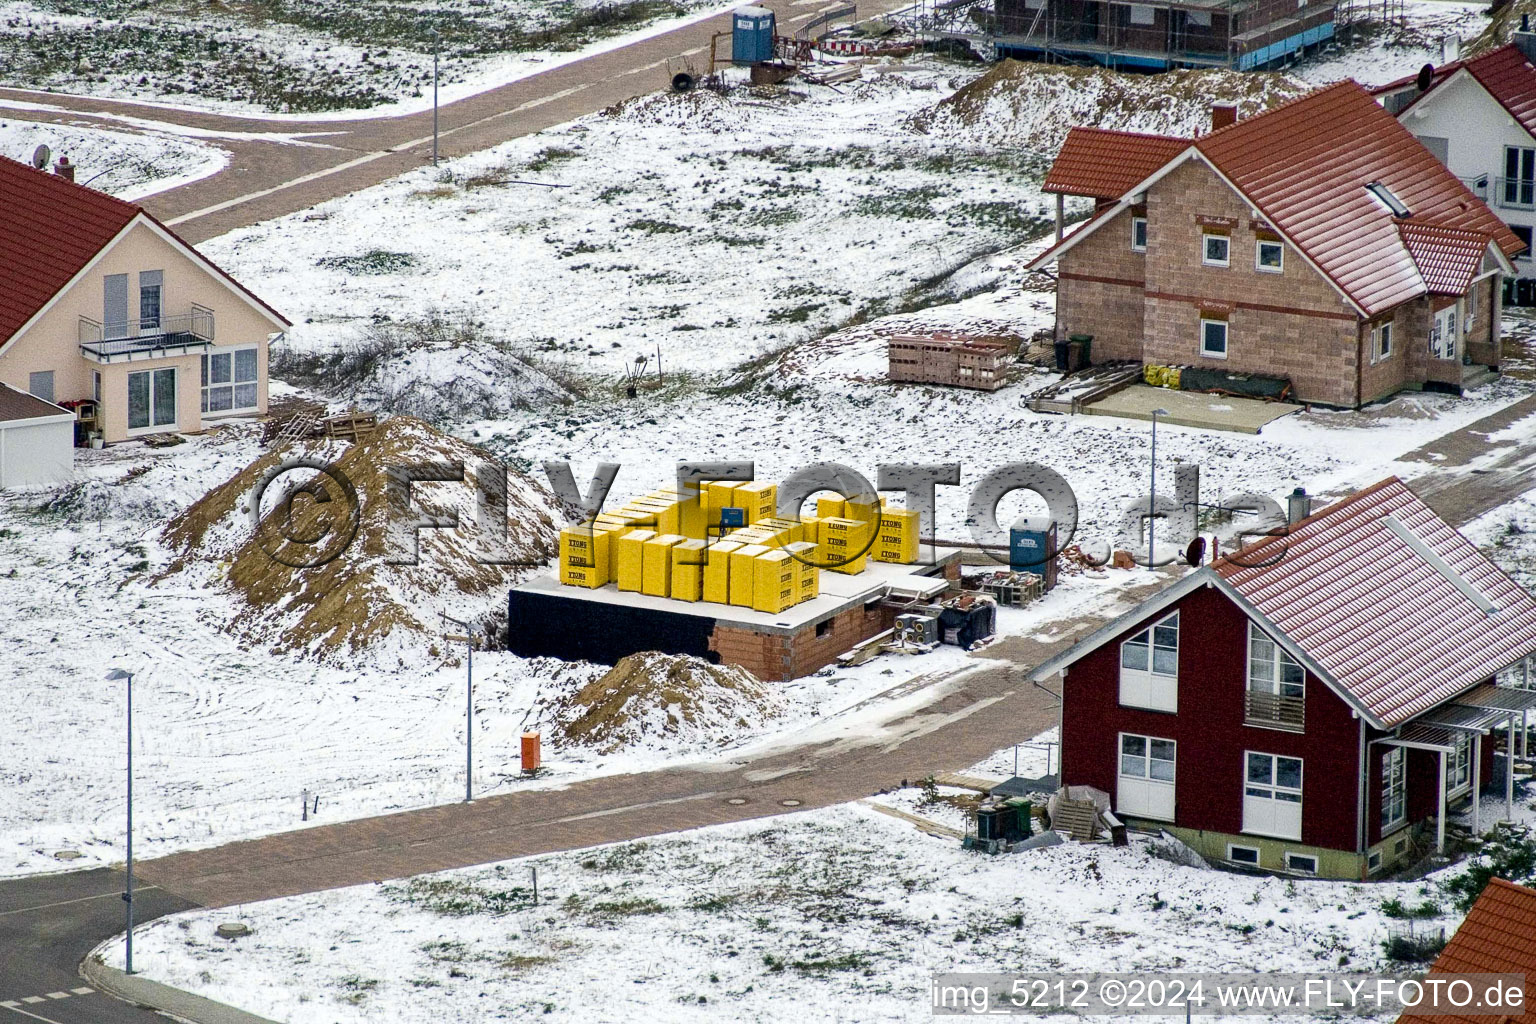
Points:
x=34 y=453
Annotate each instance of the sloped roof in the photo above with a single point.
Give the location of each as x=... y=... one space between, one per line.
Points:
x=1509 y=78
x=1106 y=164
x=1382 y=596
x=1448 y=258
x=51 y=229
x=1306 y=164
x=1497 y=937
x=19 y=405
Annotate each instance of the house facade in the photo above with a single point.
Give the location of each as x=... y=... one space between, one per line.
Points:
x=1478 y=117
x=110 y=313
x=1317 y=242
x=1256 y=711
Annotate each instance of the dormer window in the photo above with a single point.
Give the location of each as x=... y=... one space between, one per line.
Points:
x=1388 y=199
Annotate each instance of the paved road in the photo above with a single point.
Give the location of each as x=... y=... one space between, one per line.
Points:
x=1474 y=475
x=267 y=178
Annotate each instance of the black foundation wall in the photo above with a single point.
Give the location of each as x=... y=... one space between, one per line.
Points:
x=547 y=625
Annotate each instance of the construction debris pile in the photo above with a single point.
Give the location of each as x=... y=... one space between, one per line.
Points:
x=312 y=562
x=726 y=544
x=648 y=696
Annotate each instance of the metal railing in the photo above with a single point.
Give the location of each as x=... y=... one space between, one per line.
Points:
x=179 y=330
x=1515 y=193
x=1478 y=186
x=1273 y=711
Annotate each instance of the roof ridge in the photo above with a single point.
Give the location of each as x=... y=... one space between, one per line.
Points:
x=1314 y=517
x=1506 y=883
x=1240 y=122
x=60 y=179
x=1125 y=132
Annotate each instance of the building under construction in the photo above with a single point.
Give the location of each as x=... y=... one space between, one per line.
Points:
x=1153 y=36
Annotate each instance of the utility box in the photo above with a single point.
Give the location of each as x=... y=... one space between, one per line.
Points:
x=530 y=752
x=1032 y=548
x=751 y=35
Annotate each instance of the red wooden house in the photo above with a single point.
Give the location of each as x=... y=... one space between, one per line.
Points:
x=1308 y=703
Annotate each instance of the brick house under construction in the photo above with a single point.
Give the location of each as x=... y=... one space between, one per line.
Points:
x=1319 y=242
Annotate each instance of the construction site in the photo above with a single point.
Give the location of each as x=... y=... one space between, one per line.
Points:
x=722 y=574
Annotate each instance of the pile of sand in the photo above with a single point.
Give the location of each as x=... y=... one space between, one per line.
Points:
x=651 y=696
x=359 y=597
x=1033 y=106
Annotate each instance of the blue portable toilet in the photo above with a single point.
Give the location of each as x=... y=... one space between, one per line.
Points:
x=751 y=35
x=1032 y=548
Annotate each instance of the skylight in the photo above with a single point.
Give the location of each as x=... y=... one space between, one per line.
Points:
x=1386 y=198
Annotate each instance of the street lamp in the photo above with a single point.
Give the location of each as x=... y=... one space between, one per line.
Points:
x=1152 y=507
x=469 y=704
x=113 y=676
x=437 y=38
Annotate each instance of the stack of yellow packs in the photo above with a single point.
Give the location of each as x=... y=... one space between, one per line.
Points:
x=830 y=508
x=722 y=494
x=758 y=498
x=656 y=567
x=863 y=511
x=790 y=531
x=743 y=581
x=897 y=541
x=632 y=559
x=776 y=581
x=810 y=529
x=663 y=510
x=688 y=570
x=843 y=545
x=717 y=573
x=584 y=556
x=808 y=577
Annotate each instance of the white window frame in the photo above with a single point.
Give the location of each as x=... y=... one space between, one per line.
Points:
x=1274 y=683
x=1268 y=807
x=96 y=386
x=1226 y=338
x=1292 y=855
x=1205 y=249
x=1381 y=342
x=1373 y=861
x=1258 y=254
x=1139 y=793
x=1258 y=854
x=1458 y=766
x=1394 y=790
x=1142 y=223
x=206 y=365
x=1151 y=688
x=1471 y=314
x=153 y=427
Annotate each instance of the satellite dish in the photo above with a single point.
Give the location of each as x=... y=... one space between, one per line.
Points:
x=1426 y=77
x=40 y=157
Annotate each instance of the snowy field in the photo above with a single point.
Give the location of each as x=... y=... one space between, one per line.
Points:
x=1430 y=32
x=325 y=58
x=129 y=165
x=841 y=914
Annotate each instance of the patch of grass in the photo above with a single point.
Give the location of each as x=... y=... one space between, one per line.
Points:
x=1509 y=853
x=371 y=263
x=549 y=156
x=1395 y=908
x=452 y=897
x=798 y=315
x=627 y=908
x=901 y=204
x=654 y=227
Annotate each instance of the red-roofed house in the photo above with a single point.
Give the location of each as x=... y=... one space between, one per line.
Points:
x=1478 y=116
x=1318 y=241
x=1497 y=937
x=1309 y=702
x=101 y=303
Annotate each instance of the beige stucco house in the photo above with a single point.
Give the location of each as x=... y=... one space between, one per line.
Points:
x=105 y=310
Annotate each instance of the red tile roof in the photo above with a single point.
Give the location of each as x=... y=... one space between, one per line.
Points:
x=1505 y=73
x=1498 y=937
x=1384 y=623
x=1305 y=164
x=50 y=230
x=1448 y=259
x=1107 y=164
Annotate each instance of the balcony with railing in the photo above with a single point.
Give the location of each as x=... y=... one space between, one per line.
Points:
x=148 y=338
x=1272 y=711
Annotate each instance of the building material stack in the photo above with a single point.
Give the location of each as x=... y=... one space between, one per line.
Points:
x=980 y=363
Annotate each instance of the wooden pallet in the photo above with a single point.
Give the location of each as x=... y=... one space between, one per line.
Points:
x=295 y=428
x=1079 y=819
x=350 y=427
x=1086 y=386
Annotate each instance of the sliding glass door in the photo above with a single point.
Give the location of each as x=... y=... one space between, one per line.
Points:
x=151 y=399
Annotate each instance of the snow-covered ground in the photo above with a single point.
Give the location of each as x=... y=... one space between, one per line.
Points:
x=316 y=59
x=1375 y=52
x=129 y=165
x=842 y=914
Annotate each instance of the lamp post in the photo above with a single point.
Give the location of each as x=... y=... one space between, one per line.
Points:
x=437 y=38
x=113 y=676
x=1152 y=506
x=469 y=705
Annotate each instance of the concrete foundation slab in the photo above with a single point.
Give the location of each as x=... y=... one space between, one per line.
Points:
x=1192 y=408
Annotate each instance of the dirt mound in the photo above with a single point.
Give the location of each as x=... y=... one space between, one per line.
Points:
x=1034 y=105
x=650 y=696
x=361 y=596
x=1501 y=29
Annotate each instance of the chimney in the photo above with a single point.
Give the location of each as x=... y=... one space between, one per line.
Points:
x=1525 y=39
x=64 y=169
x=1223 y=114
x=1298 y=506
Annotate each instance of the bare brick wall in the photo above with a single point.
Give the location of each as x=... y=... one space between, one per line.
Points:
x=1100 y=291
x=1483 y=342
x=782 y=657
